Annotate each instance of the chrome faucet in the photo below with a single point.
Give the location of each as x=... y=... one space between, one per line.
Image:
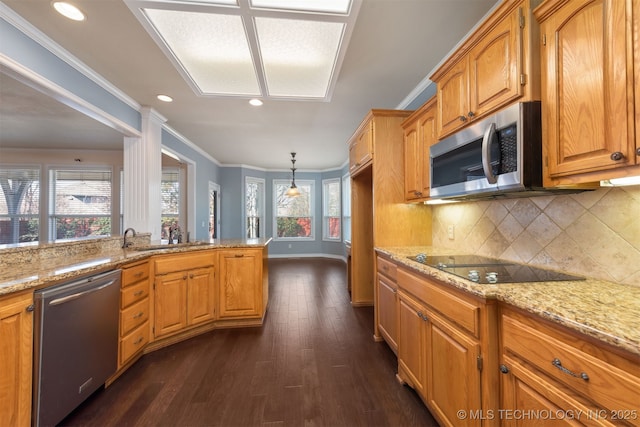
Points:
x=175 y=231
x=126 y=244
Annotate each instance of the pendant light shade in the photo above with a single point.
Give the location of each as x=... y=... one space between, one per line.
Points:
x=293 y=190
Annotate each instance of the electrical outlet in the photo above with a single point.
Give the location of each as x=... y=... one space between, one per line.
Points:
x=451 y=231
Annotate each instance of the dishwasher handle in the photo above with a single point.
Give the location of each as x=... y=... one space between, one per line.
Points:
x=72 y=297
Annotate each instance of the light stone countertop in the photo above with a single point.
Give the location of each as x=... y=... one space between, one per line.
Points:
x=24 y=268
x=606 y=311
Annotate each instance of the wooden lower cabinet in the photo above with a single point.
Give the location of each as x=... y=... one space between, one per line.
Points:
x=16 y=348
x=453 y=372
x=134 y=311
x=547 y=369
x=184 y=292
x=445 y=339
x=386 y=306
x=412 y=343
x=240 y=292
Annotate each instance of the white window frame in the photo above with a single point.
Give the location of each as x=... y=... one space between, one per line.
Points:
x=325 y=206
x=215 y=188
x=51 y=211
x=346 y=207
x=299 y=183
x=262 y=226
x=41 y=198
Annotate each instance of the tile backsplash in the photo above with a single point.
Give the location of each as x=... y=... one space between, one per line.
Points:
x=594 y=233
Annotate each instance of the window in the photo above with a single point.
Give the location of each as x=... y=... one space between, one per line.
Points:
x=19 y=205
x=214 y=210
x=346 y=207
x=170 y=199
x=293 y=219
x=331 y=209
x=80 y=203
x=254 y=207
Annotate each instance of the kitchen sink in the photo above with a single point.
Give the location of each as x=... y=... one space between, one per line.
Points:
x=167 y=246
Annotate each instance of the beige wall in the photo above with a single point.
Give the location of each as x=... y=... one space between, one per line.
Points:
x=595 y=233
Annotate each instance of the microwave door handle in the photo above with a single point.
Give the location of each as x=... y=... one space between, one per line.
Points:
x=489 y=134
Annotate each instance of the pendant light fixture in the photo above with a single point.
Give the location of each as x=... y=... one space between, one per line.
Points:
x=293 y=190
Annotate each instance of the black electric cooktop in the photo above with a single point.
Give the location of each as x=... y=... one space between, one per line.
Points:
x=481 y=269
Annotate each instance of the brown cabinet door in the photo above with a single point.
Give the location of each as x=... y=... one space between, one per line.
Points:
x=412 y=164
x=495 y=66
x=170 y=303
x=418 y=138
x=427 y=129
x=361 y=149
x=585 y=78
x=453 y=99
x=200 y=296
x=388 y=311
x=412 y=344
x=453 y=374
x=16 y=343
x=240 y=286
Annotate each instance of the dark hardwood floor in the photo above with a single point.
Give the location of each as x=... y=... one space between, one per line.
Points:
x=313 y=363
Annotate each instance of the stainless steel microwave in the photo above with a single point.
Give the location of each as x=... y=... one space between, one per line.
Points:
x=498 y=156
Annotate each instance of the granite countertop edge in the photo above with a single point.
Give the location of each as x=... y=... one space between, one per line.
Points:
x=33 y=276
x=606 y=311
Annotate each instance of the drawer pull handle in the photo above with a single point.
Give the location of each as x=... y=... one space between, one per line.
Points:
x=138 y=293
x=139 y=273
x=138 y=341
x=138 y=315
x=556 y=362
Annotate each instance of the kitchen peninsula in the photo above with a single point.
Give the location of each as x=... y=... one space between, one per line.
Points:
x=168 y=293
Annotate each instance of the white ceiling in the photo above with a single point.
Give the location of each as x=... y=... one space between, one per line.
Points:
x=394 y=46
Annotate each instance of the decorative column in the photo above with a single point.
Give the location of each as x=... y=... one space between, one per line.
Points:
x=142 y=176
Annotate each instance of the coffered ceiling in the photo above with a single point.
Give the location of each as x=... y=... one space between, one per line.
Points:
x=389 y=51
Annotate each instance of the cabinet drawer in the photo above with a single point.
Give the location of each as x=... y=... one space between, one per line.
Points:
x=387 y=268
x=189 y=261
x=134 y=274
x=134 y=342
x=462 y=312
x=604 y=379
x=135 y=293
x=134 y=316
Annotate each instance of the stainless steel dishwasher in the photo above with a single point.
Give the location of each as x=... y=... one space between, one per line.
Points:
x=76 y=343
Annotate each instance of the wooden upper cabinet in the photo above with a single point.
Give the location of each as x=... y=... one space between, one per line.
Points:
x=453 y=99
x=419 y=136
x=361 y=149
x=495 y=66
x=491 y=69
x=587 y=87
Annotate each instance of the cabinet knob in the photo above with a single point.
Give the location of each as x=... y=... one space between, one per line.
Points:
x=462 y=118
x=504 y=369
x=417 y=193
x=638 y=151
x=617 y=155
x=470 y=114
x=30 y=308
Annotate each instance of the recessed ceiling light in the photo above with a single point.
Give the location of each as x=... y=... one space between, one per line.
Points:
x=69 y=11
x=165 y=98
x=255 y=102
